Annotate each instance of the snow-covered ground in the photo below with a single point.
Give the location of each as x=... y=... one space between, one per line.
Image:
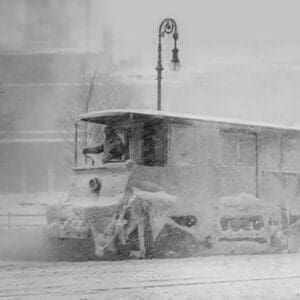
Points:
x=215 y=277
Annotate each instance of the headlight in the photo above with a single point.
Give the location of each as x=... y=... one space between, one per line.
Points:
x=95 y=185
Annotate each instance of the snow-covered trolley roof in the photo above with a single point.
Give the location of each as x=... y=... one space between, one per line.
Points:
x=106 y=116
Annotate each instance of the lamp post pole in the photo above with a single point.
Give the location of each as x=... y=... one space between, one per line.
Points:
x=167 y=26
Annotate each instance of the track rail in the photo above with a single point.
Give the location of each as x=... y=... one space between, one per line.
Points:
x=179 y=282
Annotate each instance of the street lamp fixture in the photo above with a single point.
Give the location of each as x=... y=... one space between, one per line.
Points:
x=175 y=63
x=167 y=26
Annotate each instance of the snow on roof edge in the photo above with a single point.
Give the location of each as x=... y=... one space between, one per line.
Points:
x=156 y=113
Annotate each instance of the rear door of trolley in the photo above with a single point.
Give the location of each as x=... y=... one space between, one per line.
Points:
x=239 y=172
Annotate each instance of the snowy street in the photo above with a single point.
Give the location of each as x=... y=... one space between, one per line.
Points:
x=215 y=277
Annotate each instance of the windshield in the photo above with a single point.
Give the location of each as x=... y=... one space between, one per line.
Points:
x=100 y=144
x=144 y=141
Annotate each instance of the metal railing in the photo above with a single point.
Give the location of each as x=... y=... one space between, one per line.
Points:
x=9 y=220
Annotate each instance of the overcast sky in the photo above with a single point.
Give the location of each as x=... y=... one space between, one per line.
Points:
x=135 y=22
x=265 y=33
x=234 y=53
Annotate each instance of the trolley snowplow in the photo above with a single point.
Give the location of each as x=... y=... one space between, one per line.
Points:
x=114 y=217
x=155 y=188
x=121 y=216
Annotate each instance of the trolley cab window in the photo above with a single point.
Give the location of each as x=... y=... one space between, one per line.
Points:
x=153 y=143
x=138 y=137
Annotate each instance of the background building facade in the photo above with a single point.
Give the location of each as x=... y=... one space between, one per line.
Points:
x=46 y=49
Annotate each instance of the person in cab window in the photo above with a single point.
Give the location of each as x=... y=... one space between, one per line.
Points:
x=112 y=148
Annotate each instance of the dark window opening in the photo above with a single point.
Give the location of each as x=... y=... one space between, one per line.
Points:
x=126 y=141
x=154 y=144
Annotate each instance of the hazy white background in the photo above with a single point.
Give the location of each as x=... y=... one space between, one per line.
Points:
x=239 y=58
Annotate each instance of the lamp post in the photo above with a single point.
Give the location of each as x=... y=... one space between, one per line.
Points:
x=167 y=26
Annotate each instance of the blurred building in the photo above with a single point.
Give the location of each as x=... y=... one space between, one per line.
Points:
x=46 y=49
